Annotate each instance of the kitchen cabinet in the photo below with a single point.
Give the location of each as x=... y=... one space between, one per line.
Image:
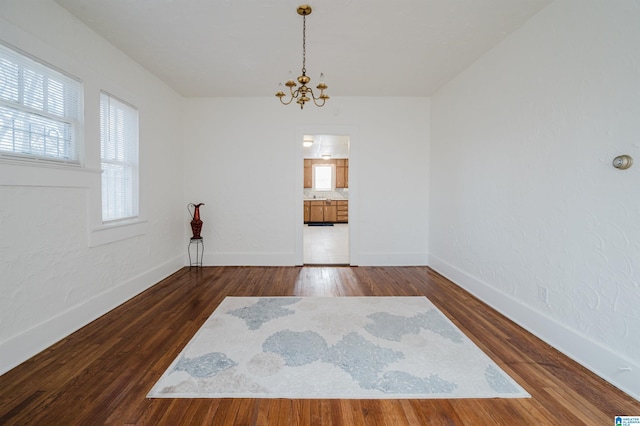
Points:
x=342 y=211
x=342 y=173
x=346 y=174
x=308 y=173
x=316 y=211
x=330 y=212
x=341 y=170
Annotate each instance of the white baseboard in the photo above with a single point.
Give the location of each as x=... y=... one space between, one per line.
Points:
x=392 y=259
x=27 y=344
x=289 y=259
x=248 y=259
x=617 y=370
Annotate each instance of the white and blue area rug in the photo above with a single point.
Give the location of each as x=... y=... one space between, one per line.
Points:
x=332 y=347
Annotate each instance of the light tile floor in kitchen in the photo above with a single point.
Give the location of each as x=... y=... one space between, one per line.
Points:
x=326 y=245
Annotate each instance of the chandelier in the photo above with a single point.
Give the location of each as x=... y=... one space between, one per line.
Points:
x=301 y=94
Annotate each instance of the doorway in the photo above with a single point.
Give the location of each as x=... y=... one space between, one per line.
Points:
x=326 y=199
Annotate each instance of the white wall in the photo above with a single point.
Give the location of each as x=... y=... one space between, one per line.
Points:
x=60 y=268
x=55 y=273
x=243 y=159
x=523 y=193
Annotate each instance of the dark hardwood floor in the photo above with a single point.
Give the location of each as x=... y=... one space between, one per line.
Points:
x=102 y=373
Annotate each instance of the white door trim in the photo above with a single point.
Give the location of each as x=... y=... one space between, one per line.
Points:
x=354 y=144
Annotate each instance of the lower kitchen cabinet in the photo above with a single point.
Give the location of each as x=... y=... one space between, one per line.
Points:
x=342 y=211
x=332 y=211
x=316 y=211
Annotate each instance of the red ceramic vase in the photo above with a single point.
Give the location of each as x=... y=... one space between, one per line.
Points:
x=196 y=223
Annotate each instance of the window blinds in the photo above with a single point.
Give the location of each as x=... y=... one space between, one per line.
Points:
x=119 y=152
x=40 y=109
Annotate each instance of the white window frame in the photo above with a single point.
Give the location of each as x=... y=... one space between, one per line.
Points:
x=332 y=185
x=41 y=111
x=119 y=140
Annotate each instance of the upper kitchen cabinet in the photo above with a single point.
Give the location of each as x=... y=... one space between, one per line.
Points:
x=342 y=173
x=308 y=173
x=341 y=167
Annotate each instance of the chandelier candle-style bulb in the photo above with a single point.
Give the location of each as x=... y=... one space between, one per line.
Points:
x=301 y=94
x=321 y=85
x=290 y=82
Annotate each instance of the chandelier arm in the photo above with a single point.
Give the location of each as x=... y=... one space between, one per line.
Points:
x=315 y=98
x=312 y=94
x=317 y=104
x=293 y=95
x=286 y=103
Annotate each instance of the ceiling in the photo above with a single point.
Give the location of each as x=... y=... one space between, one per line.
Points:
x=334 y=145
x=219 y=48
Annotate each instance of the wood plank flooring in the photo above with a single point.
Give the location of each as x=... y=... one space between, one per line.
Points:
x=102 y=373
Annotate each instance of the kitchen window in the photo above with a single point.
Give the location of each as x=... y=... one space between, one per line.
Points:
x=323 y=177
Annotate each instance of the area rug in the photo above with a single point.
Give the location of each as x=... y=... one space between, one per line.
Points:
x=332 y=347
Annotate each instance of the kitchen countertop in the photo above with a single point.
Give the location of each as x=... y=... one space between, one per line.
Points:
x=326 y=199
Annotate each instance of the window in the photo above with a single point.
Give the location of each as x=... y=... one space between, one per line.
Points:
x=119 y=152
x=40 y=110
x=323 y=177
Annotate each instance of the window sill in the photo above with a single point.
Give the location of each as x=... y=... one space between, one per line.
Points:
x=117 y=231
x=44 y=173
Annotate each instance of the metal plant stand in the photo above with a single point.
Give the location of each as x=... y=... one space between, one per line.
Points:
x=199 y=252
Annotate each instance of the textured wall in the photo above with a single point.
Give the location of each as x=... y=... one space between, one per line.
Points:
x=51 y=280
x=523 y=193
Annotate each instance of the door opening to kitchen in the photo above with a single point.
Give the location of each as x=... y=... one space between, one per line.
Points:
x=326 y=200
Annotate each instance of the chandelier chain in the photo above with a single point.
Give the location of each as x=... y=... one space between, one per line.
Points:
x=304 y=44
